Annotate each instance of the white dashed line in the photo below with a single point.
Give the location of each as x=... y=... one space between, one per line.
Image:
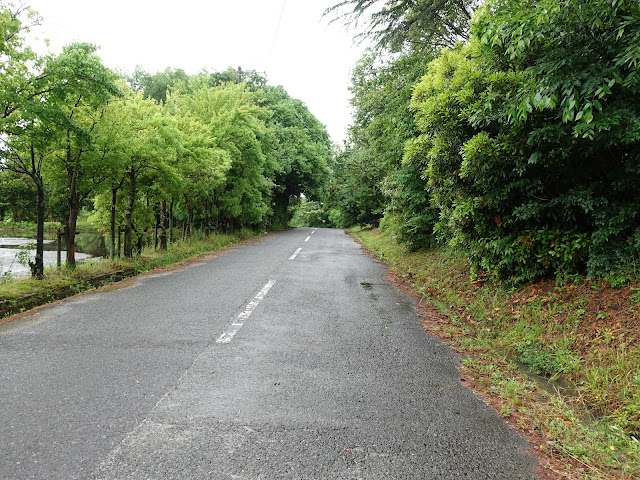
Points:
x=307 y=239
x=245 y=314
x=293 y=257
x=313 y=232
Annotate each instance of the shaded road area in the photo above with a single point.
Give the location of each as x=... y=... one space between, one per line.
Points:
x=287 y=357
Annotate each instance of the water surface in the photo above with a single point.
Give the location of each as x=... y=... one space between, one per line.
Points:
x=88 y=245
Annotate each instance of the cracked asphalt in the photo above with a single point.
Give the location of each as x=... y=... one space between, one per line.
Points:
x=328 y=375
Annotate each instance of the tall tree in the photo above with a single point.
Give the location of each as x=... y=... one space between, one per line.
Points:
x=24 y=112
x=398 y=25
x=237 y=125
x=201 y=163
x=81 y=103
x=24 y=152
x=302 y=153
x=152 y=148
x=21 y=78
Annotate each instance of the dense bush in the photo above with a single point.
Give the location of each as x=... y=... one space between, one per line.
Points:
x=531 y=137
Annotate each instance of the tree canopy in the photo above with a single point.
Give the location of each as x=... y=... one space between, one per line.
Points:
x=149 y=150
x=524 y=144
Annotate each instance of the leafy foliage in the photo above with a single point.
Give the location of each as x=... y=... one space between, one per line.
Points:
x=398 y=25
x=302 y=153
x=167 y=147
x=525 y=148
x=370 y=176
x=533 y=163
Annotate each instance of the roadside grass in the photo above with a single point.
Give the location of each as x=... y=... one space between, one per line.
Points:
x=65 y=282
x=559 y=359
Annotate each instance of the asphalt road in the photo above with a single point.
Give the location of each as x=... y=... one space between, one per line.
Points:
x=288 y=357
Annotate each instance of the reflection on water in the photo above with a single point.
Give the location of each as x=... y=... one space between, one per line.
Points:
x=88 y=245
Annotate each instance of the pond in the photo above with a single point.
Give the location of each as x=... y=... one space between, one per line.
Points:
x=88 y=245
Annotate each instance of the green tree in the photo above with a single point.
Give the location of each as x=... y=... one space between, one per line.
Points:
x=202 y=163
x=159 y=85
x=79 y=104
x=24 y=151
x=530 y=133
x=111 y=138
x=373 y=180
x=398 y=25
x=21 y=77
x=302 y=151
x=237 y=125
x=152 y=151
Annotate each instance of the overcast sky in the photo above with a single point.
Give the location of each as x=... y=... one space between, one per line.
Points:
x=311 y=59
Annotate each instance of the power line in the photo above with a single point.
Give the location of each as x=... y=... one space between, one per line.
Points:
x=275 y=36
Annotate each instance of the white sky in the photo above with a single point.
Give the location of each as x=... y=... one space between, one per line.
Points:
x=311 y=59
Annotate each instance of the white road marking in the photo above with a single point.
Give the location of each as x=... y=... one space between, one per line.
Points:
x=229 y=333
x=307 y=239
x=293 y=257
x=313 y=232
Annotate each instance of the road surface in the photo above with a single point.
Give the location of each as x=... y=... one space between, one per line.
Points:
x=288 y=357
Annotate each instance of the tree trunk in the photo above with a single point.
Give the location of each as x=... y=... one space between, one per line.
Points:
x=112 y=224
x=128 y=213
x=74 y=207
x=207 y=219
x=70 y=238
x=38 y=270
x=59 y=236
x=189 y=228
x=171 y=222
x=163 y=225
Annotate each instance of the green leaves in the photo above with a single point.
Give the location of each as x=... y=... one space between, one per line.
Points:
x=531 y=141
x=208 y=147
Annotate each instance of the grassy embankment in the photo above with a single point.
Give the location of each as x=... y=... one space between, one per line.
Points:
x=580 y=337
x=65 y=282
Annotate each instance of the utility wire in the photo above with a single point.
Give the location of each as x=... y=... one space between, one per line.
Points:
x=275 y=36
x=307 y=127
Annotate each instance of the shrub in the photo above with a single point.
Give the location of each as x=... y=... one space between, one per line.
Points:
x=531 y=133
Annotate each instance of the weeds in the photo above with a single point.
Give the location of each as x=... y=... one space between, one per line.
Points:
x=581 y=331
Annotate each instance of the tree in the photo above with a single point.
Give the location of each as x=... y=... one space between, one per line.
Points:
x=373 y=180
x=236 y=125
x=302 y=152
x=25 y=147
x=159 y=85
x=401 y=25
x=81 y=90
x=111 y=139
x=25 y=114
x=17 y=197
x=532 y=139
x=21 y=79
x=153 y=149
x=201 y=163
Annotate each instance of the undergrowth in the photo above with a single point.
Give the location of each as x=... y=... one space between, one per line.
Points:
x=580 y=338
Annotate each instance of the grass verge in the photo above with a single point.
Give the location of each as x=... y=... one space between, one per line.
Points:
x=558 y=359
x=23 y=293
